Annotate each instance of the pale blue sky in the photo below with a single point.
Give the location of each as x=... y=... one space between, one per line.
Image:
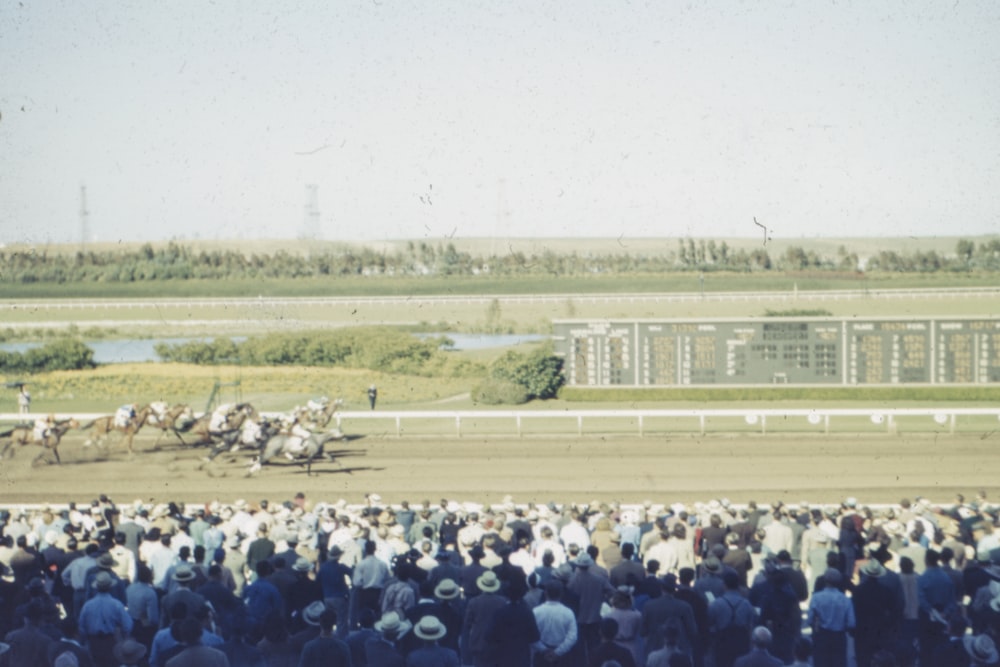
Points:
x=423 y=119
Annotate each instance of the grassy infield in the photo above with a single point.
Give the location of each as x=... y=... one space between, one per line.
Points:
x=104 y=388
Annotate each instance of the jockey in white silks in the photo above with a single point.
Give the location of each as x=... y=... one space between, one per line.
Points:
x=219 y=418
x=159 y=410
x=43 y=427
x=250 y=432
x=297 y=435
x=124 y=415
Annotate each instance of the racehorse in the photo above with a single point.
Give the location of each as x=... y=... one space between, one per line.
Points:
x=209 y=429
x=103 y=426
x=318 y=414
x=166 y=418
x=252 y=434
x=296 y=449
x=26 y=435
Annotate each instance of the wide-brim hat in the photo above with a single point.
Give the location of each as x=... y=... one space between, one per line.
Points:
x=103 y=582
x=392 y=625
x=302 y=564
x=430 y=628
x=584 y=560
x=107 y=561
x=712 y=564
x=447 y=590
x=129 y=652
x=184 y=573
x=312 y=612
x=873 y=568
x=334 y=552
x=488 y=582
x=981 y=649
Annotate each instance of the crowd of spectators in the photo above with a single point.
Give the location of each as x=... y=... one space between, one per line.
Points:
x=304 y=583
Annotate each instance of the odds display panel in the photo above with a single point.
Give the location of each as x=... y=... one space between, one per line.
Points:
x=793 y=351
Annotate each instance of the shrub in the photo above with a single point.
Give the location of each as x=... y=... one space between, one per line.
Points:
x=494 y=391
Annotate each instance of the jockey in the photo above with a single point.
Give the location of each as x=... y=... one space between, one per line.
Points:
x=297 y=440
x=219 y=418
x=43 y=427
x=124 y=415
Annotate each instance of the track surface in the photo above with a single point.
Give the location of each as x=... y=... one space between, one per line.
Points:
x=685 y=468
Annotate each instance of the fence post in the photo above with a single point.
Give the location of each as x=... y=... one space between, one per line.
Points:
x=826 y=424
x=399 y=430
x=518 y=418
x=640 y=426
x=458 y=425
x=763 y=424
x=579 y=424
x=701 y=420
x=952 y=426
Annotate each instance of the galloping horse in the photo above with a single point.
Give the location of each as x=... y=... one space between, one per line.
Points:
x=318 y=414
x=27 y=435
x=252 y=434
x=173 y=419
x=103 y=426
x=221 y=426
x=297 y=449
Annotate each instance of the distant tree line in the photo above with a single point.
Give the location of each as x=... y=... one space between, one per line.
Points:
x=65 y=354
x=176 y=262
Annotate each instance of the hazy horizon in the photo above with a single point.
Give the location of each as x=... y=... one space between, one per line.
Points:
x=480 y=119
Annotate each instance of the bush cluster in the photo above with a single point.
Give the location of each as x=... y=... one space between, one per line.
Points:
x=374 y=348
x=66 y=354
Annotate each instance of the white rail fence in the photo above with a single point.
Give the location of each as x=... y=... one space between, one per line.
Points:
x=503 y=299
x=649 y=421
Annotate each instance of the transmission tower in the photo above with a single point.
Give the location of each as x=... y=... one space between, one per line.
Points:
x=310 y=224
x=84 y=218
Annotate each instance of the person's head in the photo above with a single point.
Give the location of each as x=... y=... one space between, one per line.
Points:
x=264 y=569
x=906 y=565
x=731 y=580
x=553 y=590
x=931 y=558
x=328 y=619
x=189 y=631
x=761 y=637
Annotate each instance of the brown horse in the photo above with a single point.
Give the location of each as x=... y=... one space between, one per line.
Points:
x=26 y=435
x=315 y=420
x=203 y=434
x=104 y=426
x=169 y=418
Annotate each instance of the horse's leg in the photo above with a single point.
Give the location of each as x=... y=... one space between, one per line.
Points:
x=55 y=452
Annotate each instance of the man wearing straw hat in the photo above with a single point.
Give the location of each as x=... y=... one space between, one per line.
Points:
x=383 y=651
x=430 y=630
x=479 y=613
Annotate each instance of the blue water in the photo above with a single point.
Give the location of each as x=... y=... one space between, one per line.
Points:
x=136 y=350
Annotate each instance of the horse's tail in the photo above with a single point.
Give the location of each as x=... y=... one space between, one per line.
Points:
x=8 y=432
x=84 y=427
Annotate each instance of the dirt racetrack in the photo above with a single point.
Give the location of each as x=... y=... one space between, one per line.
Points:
x=684 y=468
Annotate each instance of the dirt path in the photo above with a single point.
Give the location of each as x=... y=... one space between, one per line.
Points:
x=684 y=468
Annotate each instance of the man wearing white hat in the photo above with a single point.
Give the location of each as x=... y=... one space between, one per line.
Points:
x=430 y=630
x=383 y=651
x=479 y=612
